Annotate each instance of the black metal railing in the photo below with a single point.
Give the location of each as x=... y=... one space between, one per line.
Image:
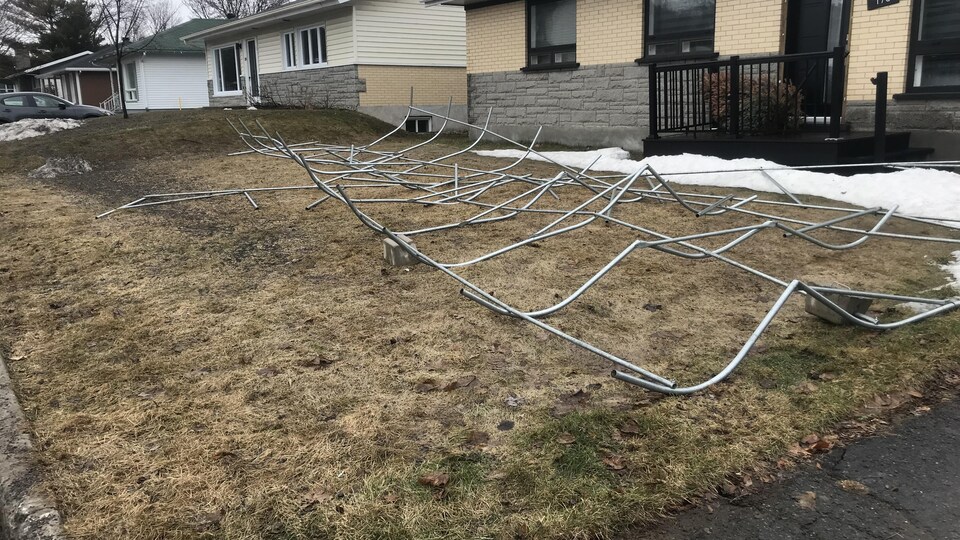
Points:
x=770 y=95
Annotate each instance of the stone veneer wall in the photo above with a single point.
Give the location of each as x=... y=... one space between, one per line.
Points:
x=333 y=87
x=591 y=105
x=933 y=123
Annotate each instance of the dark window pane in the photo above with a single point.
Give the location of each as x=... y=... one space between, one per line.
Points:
x=228 y=69
x=553 y=24
x=938 y=70
x=314 y=46
x=939 y=19
x=683 y=17
x=323 y=45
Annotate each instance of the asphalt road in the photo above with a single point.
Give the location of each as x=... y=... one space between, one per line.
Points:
x=912 y=481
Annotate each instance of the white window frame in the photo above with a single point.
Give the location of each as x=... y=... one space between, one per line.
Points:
x=131 y=93
x=218 y=71
x=293 y=55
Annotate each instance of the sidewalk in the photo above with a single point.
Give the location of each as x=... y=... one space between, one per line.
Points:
x=912 y=481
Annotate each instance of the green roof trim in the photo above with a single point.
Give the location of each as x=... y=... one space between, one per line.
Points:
x=169 y=40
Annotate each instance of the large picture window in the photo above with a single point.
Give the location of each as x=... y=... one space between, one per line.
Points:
x=552 y=32
x=680 y=27
x=226 y=69
x=935 y=46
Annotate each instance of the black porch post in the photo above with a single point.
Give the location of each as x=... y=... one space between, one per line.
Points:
x=654 y=104
x=880 y=118
x=836 y=90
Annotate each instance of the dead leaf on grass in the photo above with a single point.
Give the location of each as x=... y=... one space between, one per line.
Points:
x=727 y=489
x=462 y=382
x=426 y=385
x=319 y=495
x=391 y=498
x=17 y=358
x=614 y=462
x=566 y=438
x=915 y=393
x=269 y=371
x=477 y=438
x=315 y=363
x=810 y=439
x=807 y=388
x=630 y=428
x=823 y=445
x=435 y=479
x=807 y=500
x=513 y=401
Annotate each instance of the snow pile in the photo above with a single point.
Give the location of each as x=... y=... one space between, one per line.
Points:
x=35 y=127
x=55 y=167
x=919 y=192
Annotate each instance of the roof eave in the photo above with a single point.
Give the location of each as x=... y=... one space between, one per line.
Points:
x=289 y=10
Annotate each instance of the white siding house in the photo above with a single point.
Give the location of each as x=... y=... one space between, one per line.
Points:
x=163 y=72
x=363 y=55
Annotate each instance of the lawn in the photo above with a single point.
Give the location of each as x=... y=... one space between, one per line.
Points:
x=206 y=370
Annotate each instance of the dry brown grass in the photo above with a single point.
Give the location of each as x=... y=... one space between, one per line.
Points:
x=168 y=360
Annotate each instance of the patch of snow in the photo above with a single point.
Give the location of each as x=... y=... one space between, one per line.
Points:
x=251 y=108
x=55 y=167
x=919 y=192
x=35 y=127
x=953 y=268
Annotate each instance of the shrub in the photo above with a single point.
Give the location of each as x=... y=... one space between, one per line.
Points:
x=767 y=106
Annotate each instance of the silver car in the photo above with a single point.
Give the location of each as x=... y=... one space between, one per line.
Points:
x=21 y=105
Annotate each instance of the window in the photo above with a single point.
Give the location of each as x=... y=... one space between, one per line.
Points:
x=935 y=46
x=16 y=101
x=48 y=102
x=226 y=70
x=289 y=51
x=305 y=47
x=552 y=32
x=130 y=81
x=680 y=27
x=313 y=46
x=5 y=88
x=418 y=124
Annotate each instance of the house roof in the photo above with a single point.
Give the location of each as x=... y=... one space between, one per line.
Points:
x=456 y=2
x=293 y=9
x=87 y=61
x=54 y=63
x=171 y=39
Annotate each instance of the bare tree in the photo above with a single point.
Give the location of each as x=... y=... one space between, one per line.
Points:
x=160 y=15
x=122 y=19
x=225 y=8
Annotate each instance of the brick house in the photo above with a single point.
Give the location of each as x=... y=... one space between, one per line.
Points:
x=581 y=68
x=361 y=55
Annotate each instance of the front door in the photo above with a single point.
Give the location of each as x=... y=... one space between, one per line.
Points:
x=253 y=83
x=815 y=26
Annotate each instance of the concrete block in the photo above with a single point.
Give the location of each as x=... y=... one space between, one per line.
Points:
x=395 y=255
x=852 y=304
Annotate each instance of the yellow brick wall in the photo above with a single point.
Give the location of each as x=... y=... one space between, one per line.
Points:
x=496 y=38
x=390 y=85
x=749 y=26
x=609 y=31
x=879 y=41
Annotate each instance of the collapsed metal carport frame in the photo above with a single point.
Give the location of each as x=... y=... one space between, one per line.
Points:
x=366 y=167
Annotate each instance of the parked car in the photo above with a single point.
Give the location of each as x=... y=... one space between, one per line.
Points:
x=20 y=105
